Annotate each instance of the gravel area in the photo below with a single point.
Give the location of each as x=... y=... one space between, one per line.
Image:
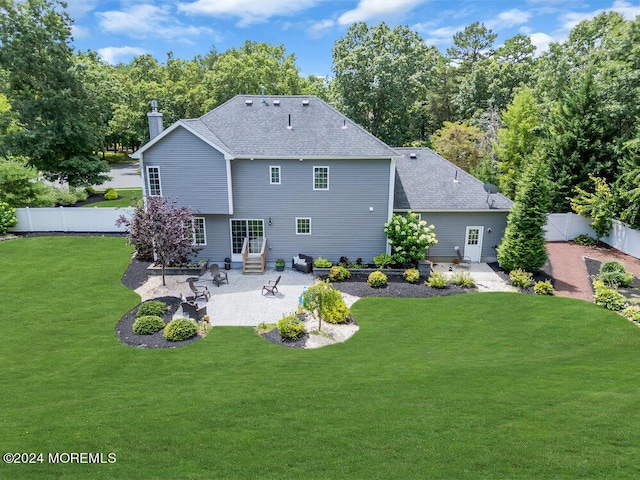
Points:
x=124 y=329
x=329 y=334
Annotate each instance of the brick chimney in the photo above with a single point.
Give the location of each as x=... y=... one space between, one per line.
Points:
x=155 y=121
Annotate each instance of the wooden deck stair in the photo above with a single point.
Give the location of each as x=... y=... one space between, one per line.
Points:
x=254 y=263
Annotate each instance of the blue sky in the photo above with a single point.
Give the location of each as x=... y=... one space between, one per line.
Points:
x=120 y=30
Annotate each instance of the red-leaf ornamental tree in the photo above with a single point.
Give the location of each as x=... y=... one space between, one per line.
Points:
x=162 y=228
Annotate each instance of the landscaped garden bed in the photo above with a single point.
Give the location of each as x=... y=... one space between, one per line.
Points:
x=195 y=269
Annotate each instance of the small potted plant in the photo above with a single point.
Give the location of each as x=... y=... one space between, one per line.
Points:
x=280 y=264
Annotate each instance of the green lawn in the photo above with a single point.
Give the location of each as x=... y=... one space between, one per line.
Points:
x=130 y=197
x=472 y=386
x=117 y=157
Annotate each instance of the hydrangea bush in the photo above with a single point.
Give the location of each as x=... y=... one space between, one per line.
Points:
x=409 y=237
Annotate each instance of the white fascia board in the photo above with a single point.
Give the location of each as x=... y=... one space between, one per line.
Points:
x=420 y=210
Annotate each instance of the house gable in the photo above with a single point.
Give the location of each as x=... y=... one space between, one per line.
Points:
x=191 y=170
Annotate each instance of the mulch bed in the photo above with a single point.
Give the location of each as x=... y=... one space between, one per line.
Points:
x=274 y=337
x=124 y=329
x=136 y=273
x=92 y=198
x=397 y=286
x=631 y=293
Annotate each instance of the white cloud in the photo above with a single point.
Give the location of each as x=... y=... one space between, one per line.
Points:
x=78 y=8
x=111 y=54
x=541 y=41
x=147 y=20
x=443 y=35
x=248 y=11
x=79 y=32
x=509 y=18
x=377 y=10
x=318 y=28
x=628 y=10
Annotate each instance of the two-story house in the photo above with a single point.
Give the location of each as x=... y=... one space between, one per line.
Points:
x=288 y=173
x=274 y=176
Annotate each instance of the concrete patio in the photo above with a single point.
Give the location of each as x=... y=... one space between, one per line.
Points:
x=241 y=303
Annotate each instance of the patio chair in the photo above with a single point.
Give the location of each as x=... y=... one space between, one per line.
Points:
x=216 y=275
x=462 y=261
x=199 y=292
x=192 y=309
x=272 y=286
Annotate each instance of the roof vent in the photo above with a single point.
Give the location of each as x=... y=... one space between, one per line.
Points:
x=248 y=103
x=344 y=124
x=413 y=155
x=289 y=127
x=276 y=103
x=305 y=103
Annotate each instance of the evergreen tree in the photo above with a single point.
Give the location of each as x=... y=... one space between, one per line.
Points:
x=579 y=143
x=524 y=245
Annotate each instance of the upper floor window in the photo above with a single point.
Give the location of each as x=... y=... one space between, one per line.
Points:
x=199 y=231
x=274 y=173
x=153 y=182
x=321 y=178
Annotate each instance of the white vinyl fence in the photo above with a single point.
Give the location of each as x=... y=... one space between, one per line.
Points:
x=70 y=219
x=567 y=226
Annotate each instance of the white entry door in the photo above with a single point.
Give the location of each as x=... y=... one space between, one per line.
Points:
x=473 y=243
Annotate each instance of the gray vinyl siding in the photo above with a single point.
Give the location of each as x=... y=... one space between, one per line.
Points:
x=450 y=229
x=341 y=223
x=190 y=170
x=218 y=245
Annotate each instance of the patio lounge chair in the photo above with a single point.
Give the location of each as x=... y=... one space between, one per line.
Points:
x=216 y=275
x=462 y=260
x=192 y=309
x=272 y=286
x=199 y=292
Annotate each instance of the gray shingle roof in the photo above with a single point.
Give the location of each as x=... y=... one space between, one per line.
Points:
x=259 y=129
x=427 y=182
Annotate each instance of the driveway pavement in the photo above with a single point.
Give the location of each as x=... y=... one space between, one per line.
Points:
x=124 y=176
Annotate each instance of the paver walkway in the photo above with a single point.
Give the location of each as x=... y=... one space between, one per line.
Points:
x=570 y=272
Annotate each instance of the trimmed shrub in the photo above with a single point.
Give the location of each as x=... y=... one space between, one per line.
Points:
x=437 y=280
x=7 y=217
x=585 y=240
x=543 y=288
x=148 y=325
x=180 y=329
x=152 y=307
x=612 y=266
x=608 y=298
x=616 y=279
x=90 y=190
x=462 y=279
x=411 y=275
x=383 y=260
x=377 y=279
x=338 y=273
x=520 y=278
x=632 y=313
x=110 y=194
x=321 y=262
x=290 y=327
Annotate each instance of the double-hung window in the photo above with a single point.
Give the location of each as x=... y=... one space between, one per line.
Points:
x=274 y=175
x=153 y=182
x=303 y=226
x=199 y=231
x=321 y=178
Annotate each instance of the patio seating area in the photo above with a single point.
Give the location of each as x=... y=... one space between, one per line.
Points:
x=242 y=301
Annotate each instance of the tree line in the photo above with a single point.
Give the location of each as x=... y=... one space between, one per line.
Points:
x=491 y=109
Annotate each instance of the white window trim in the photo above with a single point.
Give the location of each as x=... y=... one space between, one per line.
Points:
x=271 y=182
x=149 y=181
x=314 y=177
x=303 y=233
x=204 y=230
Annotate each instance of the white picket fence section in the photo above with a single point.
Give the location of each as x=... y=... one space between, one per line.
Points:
x=69 y=219
x=567 y=226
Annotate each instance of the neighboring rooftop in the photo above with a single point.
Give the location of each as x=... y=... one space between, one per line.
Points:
x=425 y=181
x=253 y=126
